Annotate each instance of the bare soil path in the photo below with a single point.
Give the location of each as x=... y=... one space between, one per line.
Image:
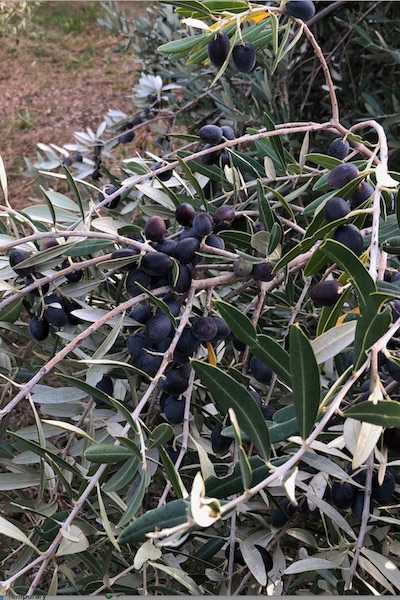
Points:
x=60 y=75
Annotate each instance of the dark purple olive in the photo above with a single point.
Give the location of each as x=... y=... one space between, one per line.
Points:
x=244 y=56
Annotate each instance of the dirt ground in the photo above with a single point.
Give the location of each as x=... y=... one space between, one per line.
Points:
x=60 y=75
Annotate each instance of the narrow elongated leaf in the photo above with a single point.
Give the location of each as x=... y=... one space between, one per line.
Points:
x=271 y=352
x=123 y=476
x=11 y=312
x=159 y=303
x=328 y=162
x=266 y=214
x=44 y=394
x=169 y=515
x=333 y=514
x=362 y=280
x=233 y=483
x=228 y=393
x=368 y=436
x=18 y=481
x=275 y=238
x=160 y=435
x=90 y=246
x=306 y=382
x=309 y=564
x=333 y=341
x=245 y=468
x=182 y=45
x=69 y=427
x=107 y=454
x=10 y=530
x=172 y=473
x=317 y=262
x=386 y=566
x=135 y=502
x=385 y=413
x=75 y=189
x=280 y=198
x=277 y=432
x=239 y=323
x=43 y=453
x=370 y=328
x=105 y=520
x=180 y=576
x=110 y=340
x=192 y=179
x=254 y=561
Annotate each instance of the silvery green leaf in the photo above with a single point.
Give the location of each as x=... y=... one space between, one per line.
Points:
x=255 y=562
x=43 y=394
x=386 y=566
x=333 y=341
x=309 y=564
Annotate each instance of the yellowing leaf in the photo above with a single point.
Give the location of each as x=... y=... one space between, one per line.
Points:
x=256 y=18
x=212 y=358
x=354 y=311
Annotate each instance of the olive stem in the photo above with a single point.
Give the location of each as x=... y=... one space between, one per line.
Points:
x=364 y=522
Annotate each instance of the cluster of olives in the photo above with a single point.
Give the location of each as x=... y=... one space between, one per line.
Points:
x=327 y=293
x=243 y=52
x=346 y=496
x=127 y=134
x=173 y=260
x=213 y=135
x=57 y=310
x=336 y=208
x=170 y=263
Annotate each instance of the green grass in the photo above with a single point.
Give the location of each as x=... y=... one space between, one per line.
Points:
x=23 y=119
x=70 y=17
